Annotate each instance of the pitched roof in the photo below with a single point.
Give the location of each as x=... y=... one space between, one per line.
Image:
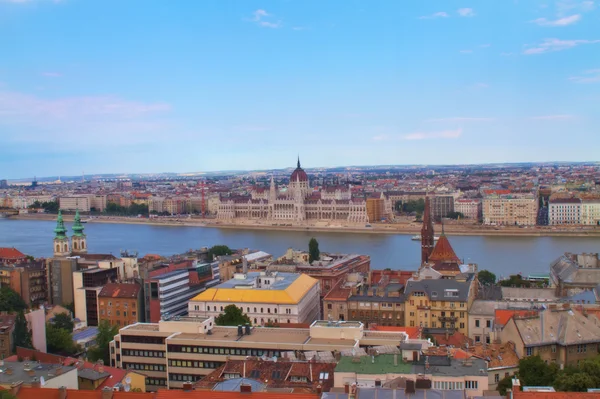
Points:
x=11 y=254
x=120 y=290
x=443 y=252
x=412 y=332
x=53 y=393
x=502 y=316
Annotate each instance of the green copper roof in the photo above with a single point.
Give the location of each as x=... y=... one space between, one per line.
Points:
x=77 y=226
x=382 y=364
x=60 y=230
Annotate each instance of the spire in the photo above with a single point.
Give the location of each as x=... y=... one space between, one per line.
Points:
x=298 y=161
x=427 y=233
x=60 y=230
x=77 y=226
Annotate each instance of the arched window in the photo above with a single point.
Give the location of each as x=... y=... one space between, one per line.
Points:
x=75 y=245
x=57 y=248
x=221 y=308
x=66 y=248
x=255 y=320
x=208 y=308
x=83 y=245
x=262 y=310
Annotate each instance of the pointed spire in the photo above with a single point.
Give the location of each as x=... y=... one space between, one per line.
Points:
x=77 y=226
x=298 y=161
x=60 y=230
x=427 y=233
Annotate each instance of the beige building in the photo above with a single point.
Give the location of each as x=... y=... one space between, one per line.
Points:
x=83 y=202
x=510 y=209
x=469 y=207
x=558 y=335
x=171 y=352
x=265 y=297
x=590 y=212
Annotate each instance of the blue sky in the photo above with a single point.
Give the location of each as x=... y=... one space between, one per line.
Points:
x=106 y=86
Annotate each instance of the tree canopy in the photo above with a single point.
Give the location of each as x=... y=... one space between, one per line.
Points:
x=533 y=371
x=100 y=351
x=218 y=250
x=10 y=301
x=48 y=206
x=232 y=316
x=134 y=209
x=59 y=340
x=64 y=321
x=21 y=333
x=517 y=280
x=313 y=250
x=486 y=277
x=455 y=215
x=414 y=206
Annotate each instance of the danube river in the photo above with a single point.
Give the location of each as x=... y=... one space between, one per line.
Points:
x=501 y=255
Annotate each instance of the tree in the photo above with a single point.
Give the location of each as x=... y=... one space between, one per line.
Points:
x=70 y=307
x=486 y=277
x=7 y=395
x=313 y=250
x=505 y=385
x=575 y=382
x=455 y=215
x=10 y=301
x=59 y=340
x=218 y=250
x=416 y=206
x=21 y=333
x=232 y=316
x=100 y=350
x=64 y=321
x=533 y=371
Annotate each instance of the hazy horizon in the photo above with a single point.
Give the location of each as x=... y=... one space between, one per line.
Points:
x=106 y=86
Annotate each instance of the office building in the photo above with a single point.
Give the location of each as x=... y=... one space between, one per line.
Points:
x=87 y=284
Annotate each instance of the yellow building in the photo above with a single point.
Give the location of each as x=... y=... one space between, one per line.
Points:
x=265 y=297
x=441 y=303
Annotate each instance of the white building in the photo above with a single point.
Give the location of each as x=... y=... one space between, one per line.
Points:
x=590 y=212
x=510 y=209
x=564 y=211
x=264 y=297
x=470 y=207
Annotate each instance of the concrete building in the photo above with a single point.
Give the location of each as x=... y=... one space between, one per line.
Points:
x=590 y=212
x=471 y=208
x=36 y=322
x=559 y=335
x=441 y=206
x=572 y=274
x=28 y=279
x=60 y=280
x=30 y=373
x=87 y=284
x=7 y=326
x=441 y=303
x=442 y=372
x=120 y=304
x=563 y=211
x=188 y=348
x=83 y=202
x=510 y=209
x=265 y=297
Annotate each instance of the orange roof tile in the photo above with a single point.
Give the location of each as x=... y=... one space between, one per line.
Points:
x=53 y=393
x=177 y=394
x=502 y=316
x=443 y=252
x=11 y=254
x=413 y=332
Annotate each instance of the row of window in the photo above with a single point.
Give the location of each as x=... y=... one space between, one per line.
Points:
x=138 y=339
x=117 y=313
x=145 y=367
x=488 y=323
x=184 y=377
x=497 y=377
x=156 y=381
x=138 y=353
x=195 y=364
x=224 y=351
x=118 y=304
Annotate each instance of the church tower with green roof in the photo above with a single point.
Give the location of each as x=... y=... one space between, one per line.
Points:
x=78 y=240
x=61 y=241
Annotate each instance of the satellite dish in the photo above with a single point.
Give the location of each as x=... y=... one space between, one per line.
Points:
x=42 y=381
x=127 y=387
x=127 y=380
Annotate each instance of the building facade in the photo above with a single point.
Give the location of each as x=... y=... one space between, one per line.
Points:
x=590 y=212
x=120 y=304
x=471 y=208
x=563 y=211
x=441 y=206
x=265 y=297
x=510 y=209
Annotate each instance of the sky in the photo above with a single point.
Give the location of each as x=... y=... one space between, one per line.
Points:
x=148 y=86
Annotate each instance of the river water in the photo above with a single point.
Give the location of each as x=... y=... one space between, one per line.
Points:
x=501 y=255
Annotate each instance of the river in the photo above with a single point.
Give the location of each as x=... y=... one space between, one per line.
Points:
x=501 y=255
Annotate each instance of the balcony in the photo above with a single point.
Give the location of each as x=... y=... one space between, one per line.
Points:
x=448 y=318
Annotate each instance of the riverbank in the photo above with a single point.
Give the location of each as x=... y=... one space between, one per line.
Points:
x=408 y=229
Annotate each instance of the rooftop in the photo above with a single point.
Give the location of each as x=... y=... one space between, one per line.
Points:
x=27 y=371
x=120 y=290
x=381 y=364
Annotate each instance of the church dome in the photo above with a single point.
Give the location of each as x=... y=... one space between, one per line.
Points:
x=299 y=174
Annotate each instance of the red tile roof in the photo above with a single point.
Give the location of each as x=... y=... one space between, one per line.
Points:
x=53 y=393
x=120 y=290
x=412 y=332
x=502 y=316
x=443 y=252
x=11 y=254
x=177 y=394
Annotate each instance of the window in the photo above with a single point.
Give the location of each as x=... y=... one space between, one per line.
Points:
x=553 y=348
x=329 y=306
x=471 y=384
x=488 y=324
x=477 y=338
x=476 y=322
x=529 y=351
x=496 y=377
x=462 y=325
x=581 y=348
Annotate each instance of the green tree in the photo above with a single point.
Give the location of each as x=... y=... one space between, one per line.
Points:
x=59 y=340
x=7 y=395
x=455 y=215
x=21 y=333
x=533 y=371
x=10 y=301
x=505 y=385
x=231 y=316
x=51 y=206
x=70 y=307
x=64 y=321
x=486 y=277
x=218 y=250
x=100 y=351
x=416 y=206
x=575 y=382
x=313 y=250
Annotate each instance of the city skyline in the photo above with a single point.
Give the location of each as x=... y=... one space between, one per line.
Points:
x=111 y=87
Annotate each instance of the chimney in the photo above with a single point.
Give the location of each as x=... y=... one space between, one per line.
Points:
x=35 y=382
x=31 y=373
x=246 y=388
x=107 y=393
x=9 y=371
x=447 y=334
x=58 y=370
x=319 y=389
x=426 y=362
x=62 y=393
x=346 y=388
x=395 y=359
x=187 y=386
x=352 y=394
x=247 y=328
x=410 y=387
x=240 y=330
x=516 y=386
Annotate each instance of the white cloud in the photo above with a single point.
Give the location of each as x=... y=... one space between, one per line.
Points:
x=52 y=74
x=440 y=134
x=461 y=119
x=264 y=19
x=550 y=45
x=565 y=21
x=440 y=14
x=466 y=12
x=558 y=117
x=589 y=76
x=565 y=7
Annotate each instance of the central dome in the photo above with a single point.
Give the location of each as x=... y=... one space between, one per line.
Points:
x=299 y=174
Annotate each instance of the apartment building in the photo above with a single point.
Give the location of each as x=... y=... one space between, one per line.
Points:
x=563 y=211
x=7 y=326
x=9 y=256
x=120 y=304
x=31 y=373
x=265 y=297
x=184 y=349
x=441 y=303
x=24 y=202
x=60 y=280
x=377 y=306
x=510 y=209
x=471 y=208
x=558 y=334
x=87 y=285
x=28 y=279
x=590 y=212
x=441 y=206
x=83 y=202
